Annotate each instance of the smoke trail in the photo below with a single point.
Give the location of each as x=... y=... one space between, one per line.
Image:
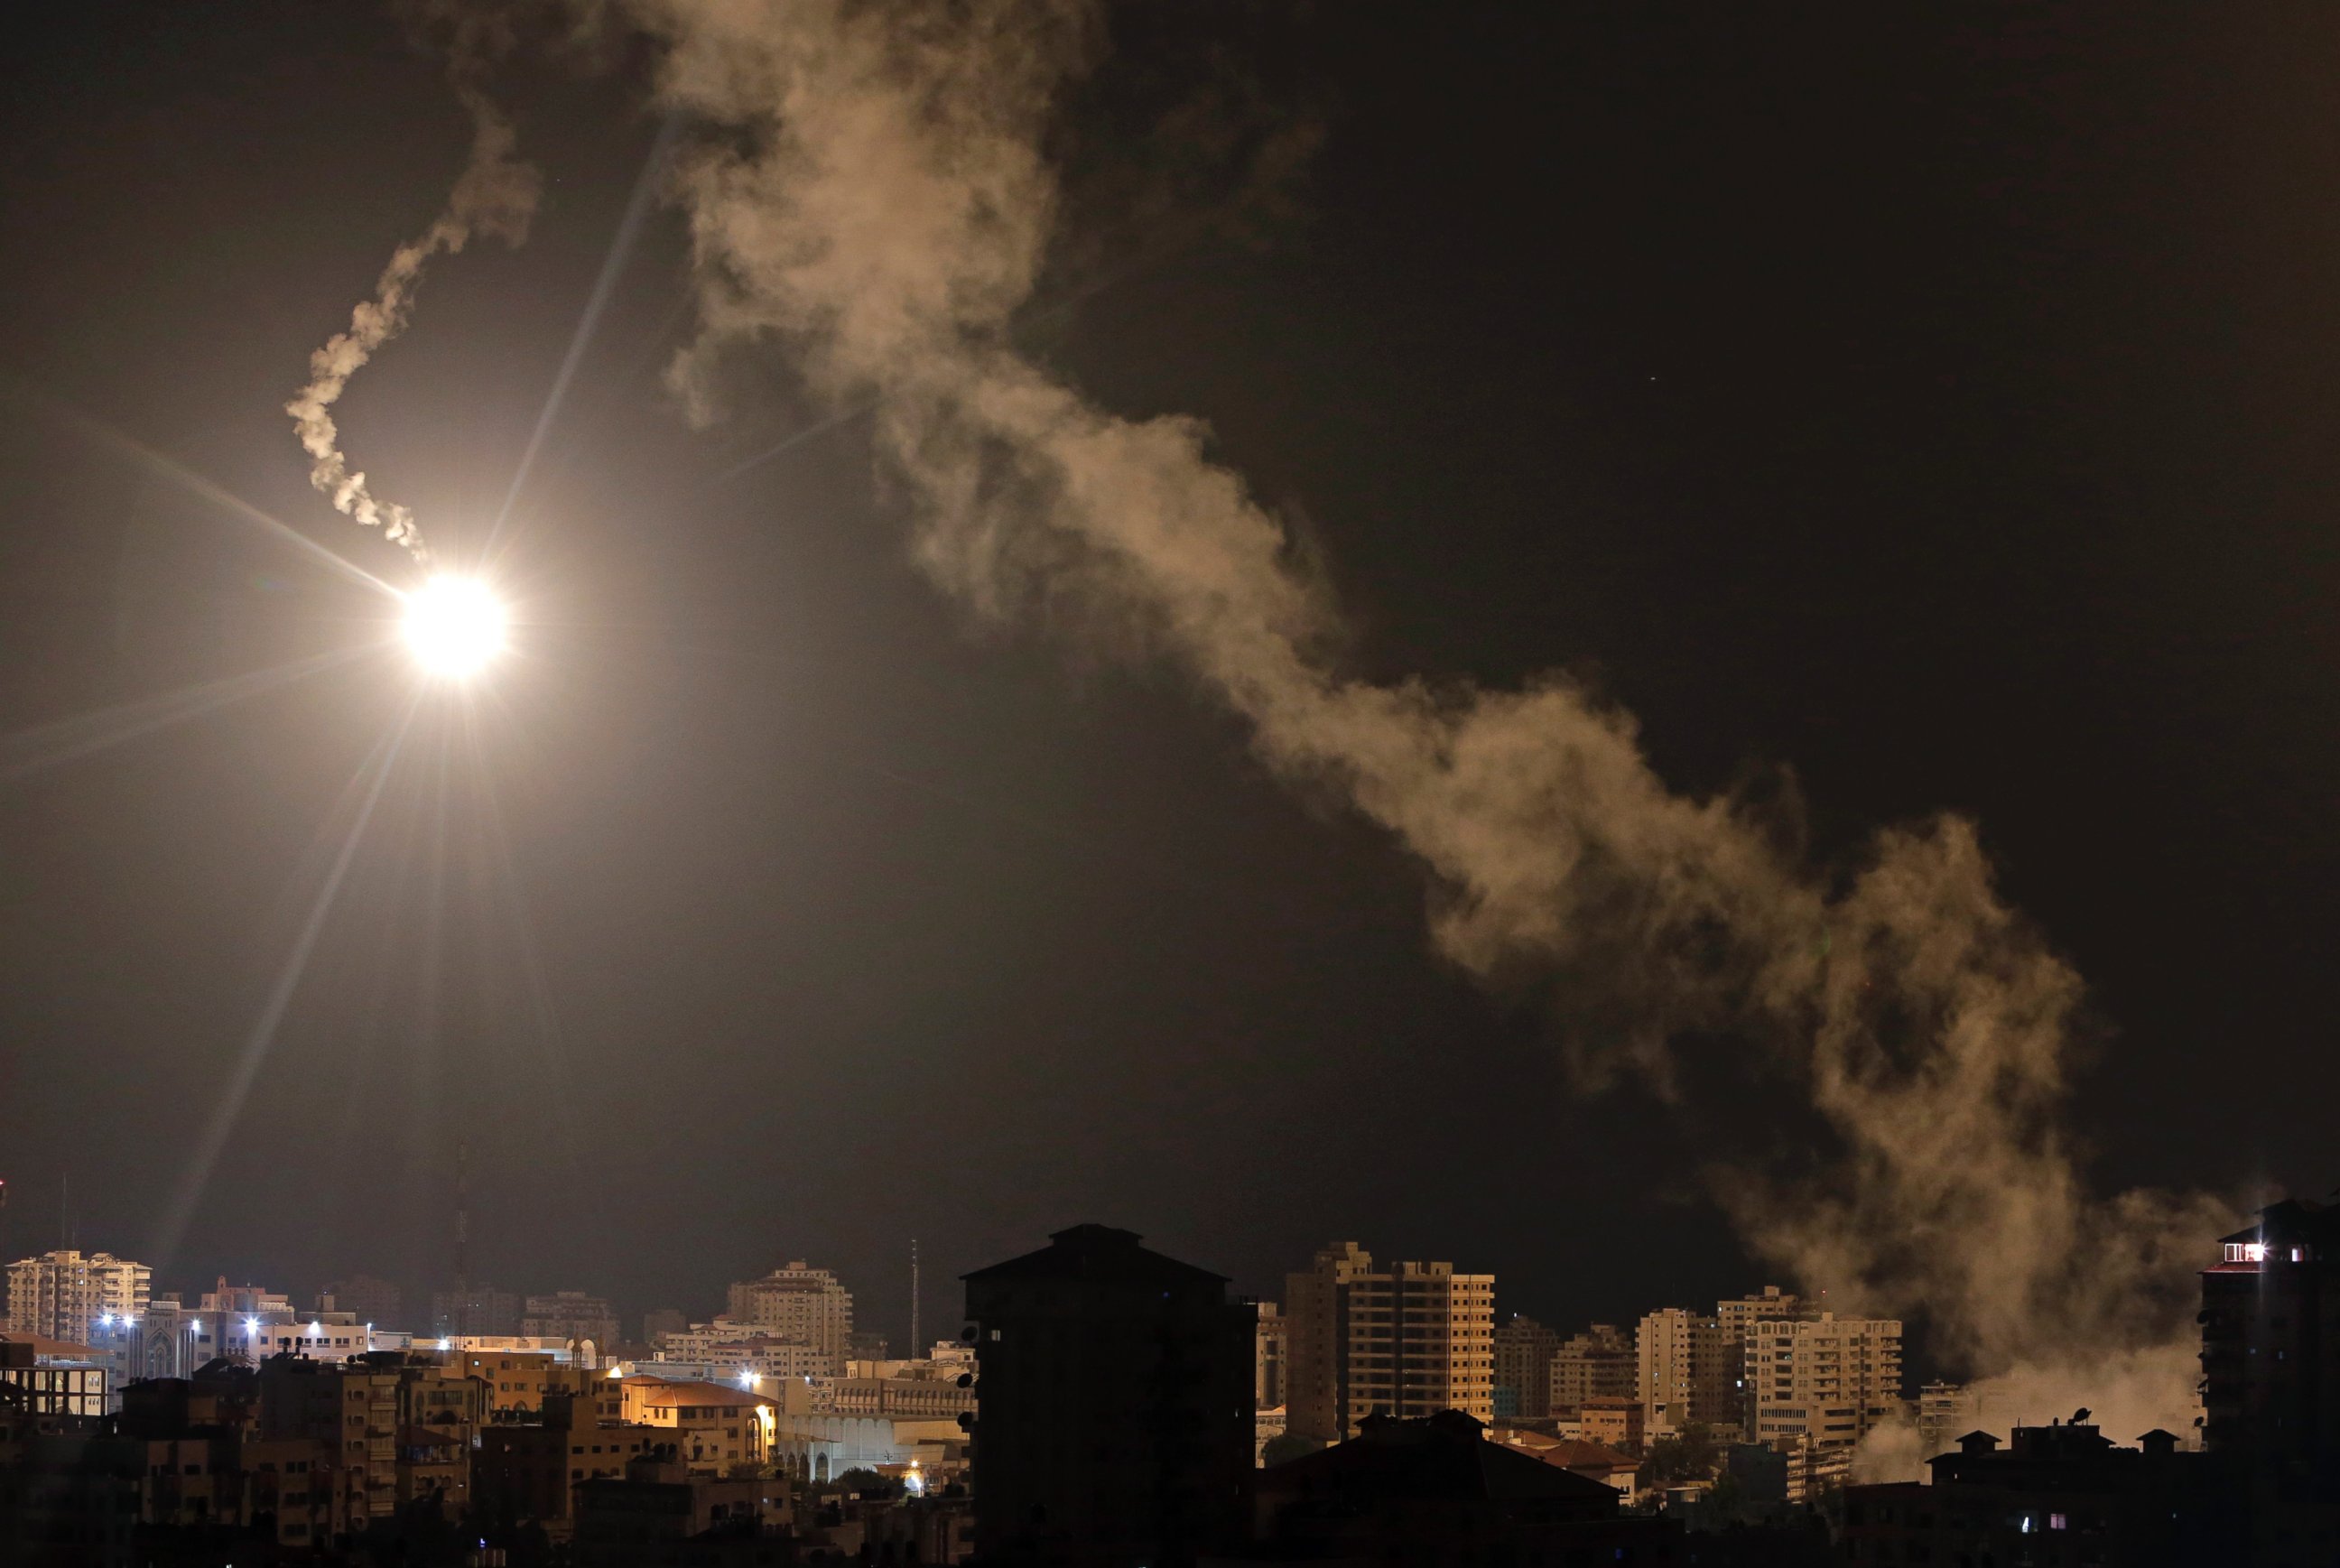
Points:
x=496 y=194
x=876 y=201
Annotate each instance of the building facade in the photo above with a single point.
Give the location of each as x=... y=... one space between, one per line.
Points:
x=1821 y=1385
x=1117 y=1427
x=1406 y=1341
x=1598 y=1363
x=1270 y=1358
x=1683 y=1362
x=351 y=1413
x=63 y=1294
x=2271 y=1345
x=570 y=1314
x=1524 y=1349
x=799 y=1303
x=1421 y=1340
x=1316 y=1341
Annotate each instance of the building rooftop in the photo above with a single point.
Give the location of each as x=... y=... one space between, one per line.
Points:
x=1442 y=1457
x=1099 y=1254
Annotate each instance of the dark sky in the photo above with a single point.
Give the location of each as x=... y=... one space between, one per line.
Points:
x=1943 y=400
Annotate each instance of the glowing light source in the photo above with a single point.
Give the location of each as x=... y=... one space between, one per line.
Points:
x=454 y=625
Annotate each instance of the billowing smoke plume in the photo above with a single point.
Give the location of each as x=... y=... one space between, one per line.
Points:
x=496 y=194
x=875 y=200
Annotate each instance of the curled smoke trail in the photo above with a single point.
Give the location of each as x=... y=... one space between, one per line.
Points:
x=874 y=198
x=496 y=194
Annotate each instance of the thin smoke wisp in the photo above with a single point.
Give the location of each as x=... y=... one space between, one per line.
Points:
x=495 y=194
x=872 y=196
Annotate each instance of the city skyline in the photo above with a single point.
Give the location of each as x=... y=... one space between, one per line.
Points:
x=763 y=901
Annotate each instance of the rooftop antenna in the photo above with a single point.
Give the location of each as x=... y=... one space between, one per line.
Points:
x=915 y=1340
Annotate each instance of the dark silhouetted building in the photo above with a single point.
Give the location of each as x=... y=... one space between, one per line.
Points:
x=1117 y=1420
x=2056 y=1495
x=474 y=1310
x=529 y=1471
x=365 y=1298
x=2271 y=1376
x=2271 y=1344
x=1524 y=1349
x=1434 y=1492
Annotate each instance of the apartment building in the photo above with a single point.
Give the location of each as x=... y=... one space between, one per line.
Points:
x=1822 y=1384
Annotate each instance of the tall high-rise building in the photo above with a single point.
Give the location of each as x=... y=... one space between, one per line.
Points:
x=65 y=1294
x=1410 y=1340
x=1822 y=1383
x=1738 y=1317
x=2271 y=1345
x=1270 y=1359
x=1524 y=1349
x=1117 y=1422
x=1684 y=1365
x=570 y=1314
x=1316 y=1342
x=801 y=1303
x=1598 y=1363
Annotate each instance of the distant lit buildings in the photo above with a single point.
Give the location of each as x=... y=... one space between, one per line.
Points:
x=1407 y=1341
x=1316 y=1342
x=725 y=1349
x=570 y=1314
x=1684 y=1361
x=714 y=1428
x=802 y=1303
x=941 y=1387
x=1945 y=1414
x=520 y=1383
x=1116 y=1424
x=62 y=1294
x=1821 y=1386
x=1598 y=1363
x=660 y=1322
x=1617 y=1422
x=246 y=1300
x=1738 y=1315
x=1524 y=1349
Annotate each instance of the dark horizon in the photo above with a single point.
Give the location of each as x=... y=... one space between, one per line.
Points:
x=1933 y=406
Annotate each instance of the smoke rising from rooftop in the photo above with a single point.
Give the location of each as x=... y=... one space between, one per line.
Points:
x=874 y=200
x=496 y=194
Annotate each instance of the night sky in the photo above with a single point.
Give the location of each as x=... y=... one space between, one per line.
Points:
x=1942 y=402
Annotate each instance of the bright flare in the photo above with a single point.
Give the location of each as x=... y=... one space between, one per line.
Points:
x=454 y=625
